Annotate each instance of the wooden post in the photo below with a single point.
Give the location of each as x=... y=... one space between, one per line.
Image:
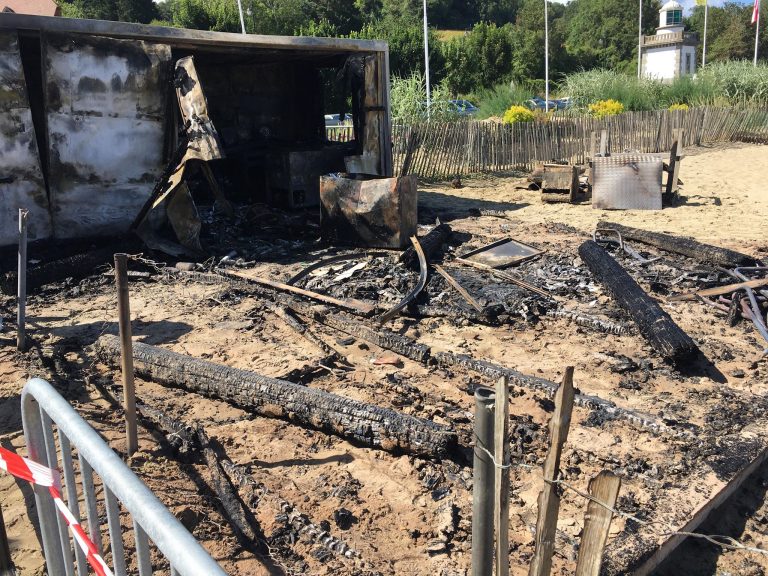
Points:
x=501 y=455
x=549 y=501
x=6 y=563
x=603 y=488
x=21 y=313
x=126 y=348
x=603 y=142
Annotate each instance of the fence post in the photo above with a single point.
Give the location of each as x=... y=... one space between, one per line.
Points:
x=482 y=485
x=604 y=488
x=549 y=501
x=126 y=346
x=21 y=313
x=501 y=455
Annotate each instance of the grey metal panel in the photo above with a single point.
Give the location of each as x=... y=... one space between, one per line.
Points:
x=105 y=103
x=21 y=177
x=626 y=182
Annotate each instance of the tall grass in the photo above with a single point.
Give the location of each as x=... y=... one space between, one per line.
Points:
x=721 y=83
x=408 y=98
x=497 y=100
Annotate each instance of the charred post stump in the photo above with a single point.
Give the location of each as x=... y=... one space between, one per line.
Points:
x=685 y=246
x=360 y=422
x=656 y=326
x=430 y=243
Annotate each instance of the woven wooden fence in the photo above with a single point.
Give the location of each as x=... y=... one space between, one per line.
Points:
x=435 y=150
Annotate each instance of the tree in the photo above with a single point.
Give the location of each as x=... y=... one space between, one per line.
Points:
x=142 y=11
x=603 y=33
x=730 y=36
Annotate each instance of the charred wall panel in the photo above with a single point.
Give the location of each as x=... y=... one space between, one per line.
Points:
x=106 y=106
x=21 y=177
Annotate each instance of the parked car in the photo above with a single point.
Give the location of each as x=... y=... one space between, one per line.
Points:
x=450 y=107
x=337 y=120
x=538 y=103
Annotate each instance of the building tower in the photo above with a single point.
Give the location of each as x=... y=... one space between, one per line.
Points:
x=671 y=52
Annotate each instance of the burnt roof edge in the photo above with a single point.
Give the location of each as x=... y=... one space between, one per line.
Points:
x=184 y=36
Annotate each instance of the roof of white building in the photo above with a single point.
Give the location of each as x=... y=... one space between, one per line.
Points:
x=671 y=5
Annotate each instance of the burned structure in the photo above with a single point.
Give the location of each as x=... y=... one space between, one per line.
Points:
x=89 y=123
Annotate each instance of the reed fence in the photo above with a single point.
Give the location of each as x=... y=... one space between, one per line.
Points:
x=434 y=150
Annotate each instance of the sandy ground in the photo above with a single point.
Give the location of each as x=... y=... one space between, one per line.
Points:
x=405 y=507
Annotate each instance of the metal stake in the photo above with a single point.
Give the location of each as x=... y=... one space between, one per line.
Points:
x=483 y=477
x=21 y=315
x=126 y=347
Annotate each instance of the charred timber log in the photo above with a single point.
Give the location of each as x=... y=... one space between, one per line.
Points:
x=380 y=337
x=431 y=244
x=685 y=246
x=656 y=326
x=77 y=267
x=493 y=372
x=179 y=436
x=589 y=321
x=358 y=421
x=243 y=524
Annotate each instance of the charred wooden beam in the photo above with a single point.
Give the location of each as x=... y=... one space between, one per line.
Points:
x=493 y=372
x=77 y=267
x=360 y=422
x=656 y=326
x=685 y=246
x=380 y=337
x=431 y=244
x=590 y=321
x=242 y=522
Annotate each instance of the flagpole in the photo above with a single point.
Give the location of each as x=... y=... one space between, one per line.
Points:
x=426 y=57
x=704 y=49
x=757 y=30
x=640 y=41
x=546 y=57
x=240 y=9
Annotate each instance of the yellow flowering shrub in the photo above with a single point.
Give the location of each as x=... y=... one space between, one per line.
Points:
x=518 y=114
x=604 y=108
x=678 y=107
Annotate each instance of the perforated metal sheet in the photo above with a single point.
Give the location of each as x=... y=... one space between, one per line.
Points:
x=627 y=182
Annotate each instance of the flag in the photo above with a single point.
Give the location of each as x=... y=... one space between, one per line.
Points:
x=756 y=12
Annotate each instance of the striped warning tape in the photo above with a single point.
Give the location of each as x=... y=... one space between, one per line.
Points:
x=35 y=473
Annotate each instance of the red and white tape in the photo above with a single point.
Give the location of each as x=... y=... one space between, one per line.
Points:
x=35 y=473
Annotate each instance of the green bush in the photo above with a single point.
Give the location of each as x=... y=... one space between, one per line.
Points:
x=517 y=114
x=605 y=108
x=408 y=97
x=497 y=100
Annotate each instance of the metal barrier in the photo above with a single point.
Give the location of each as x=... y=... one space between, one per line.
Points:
x=42 y=407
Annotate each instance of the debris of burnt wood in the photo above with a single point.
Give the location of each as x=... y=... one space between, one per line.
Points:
x=431 y=243
x=599 y=405
x=77 y=266
x=685 y=246
x=360 y=422
x=656 y=326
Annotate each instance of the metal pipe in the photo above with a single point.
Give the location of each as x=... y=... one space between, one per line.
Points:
x=546 y=56
x=240 y=9
x=21 y=314
x=426 y=58
x=483 y=474
x=126 y=348
x=757 y=30
x=704 y=48
x=640 y=41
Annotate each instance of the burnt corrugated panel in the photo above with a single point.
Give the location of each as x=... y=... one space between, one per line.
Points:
x=21 y=178
x=106 y=105
x=626 y=182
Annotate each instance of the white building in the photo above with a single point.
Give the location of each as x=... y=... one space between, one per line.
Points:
x=671 y=52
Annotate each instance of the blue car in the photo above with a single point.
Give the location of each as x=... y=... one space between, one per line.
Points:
x=537 y=103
